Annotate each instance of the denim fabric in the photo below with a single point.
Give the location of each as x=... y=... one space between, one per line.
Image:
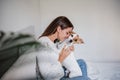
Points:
x=76 y=78
x=83 y=68
x=80 y=78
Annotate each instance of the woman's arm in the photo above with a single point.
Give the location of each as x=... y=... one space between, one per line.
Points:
x=64 y=53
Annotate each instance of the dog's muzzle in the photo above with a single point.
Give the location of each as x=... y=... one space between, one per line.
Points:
x=70 y=41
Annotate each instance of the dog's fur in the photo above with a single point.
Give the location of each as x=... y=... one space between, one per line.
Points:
x=70 y=62
x=73 y=39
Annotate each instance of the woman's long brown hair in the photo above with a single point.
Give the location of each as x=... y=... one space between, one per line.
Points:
x=61 y=21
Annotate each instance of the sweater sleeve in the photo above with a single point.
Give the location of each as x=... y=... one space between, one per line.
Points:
x=50 y=67
x=51 y=71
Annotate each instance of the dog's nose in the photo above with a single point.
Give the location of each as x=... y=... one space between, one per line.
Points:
x=71 y=41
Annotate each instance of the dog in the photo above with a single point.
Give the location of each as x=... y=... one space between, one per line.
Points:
x=70 y=63
x=73 y=39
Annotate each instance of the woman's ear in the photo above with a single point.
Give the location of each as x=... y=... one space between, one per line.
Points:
x=58 y=28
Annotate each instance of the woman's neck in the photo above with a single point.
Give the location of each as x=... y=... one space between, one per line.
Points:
x=52 y=37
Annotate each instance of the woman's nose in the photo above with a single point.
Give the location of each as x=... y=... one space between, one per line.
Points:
x=67 y=36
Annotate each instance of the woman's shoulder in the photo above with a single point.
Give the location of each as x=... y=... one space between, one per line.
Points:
x=43 y=39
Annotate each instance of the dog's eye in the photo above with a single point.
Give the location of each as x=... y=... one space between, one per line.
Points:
x=71 y=35
x=75 y=40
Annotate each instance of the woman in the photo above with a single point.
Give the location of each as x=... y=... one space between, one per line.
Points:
x=59 y=30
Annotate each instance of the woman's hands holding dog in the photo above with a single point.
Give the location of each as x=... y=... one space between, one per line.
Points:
x=71 y=48
x=65 y=52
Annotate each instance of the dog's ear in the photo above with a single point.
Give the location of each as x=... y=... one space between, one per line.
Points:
x=82 y=42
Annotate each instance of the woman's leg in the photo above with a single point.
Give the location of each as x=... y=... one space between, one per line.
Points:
x=80 y=78
x=76 y=78
x=83 y=66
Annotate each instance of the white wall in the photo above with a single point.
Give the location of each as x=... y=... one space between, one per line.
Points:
x=97 y=21
x=19 y=14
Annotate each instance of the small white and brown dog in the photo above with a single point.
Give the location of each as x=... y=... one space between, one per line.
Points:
x=70 y=62
x=73 y=39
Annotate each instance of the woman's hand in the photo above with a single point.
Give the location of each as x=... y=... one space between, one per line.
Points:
x=65 y=52
x=71 y=48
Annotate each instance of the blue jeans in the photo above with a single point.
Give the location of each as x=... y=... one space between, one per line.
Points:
x=83 y=68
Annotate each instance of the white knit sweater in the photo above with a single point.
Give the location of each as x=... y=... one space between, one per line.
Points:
x=53 y=69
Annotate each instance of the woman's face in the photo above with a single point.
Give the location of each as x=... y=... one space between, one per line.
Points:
x=64 y=34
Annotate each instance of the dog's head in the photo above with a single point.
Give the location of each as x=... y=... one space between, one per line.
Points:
x=75 y=39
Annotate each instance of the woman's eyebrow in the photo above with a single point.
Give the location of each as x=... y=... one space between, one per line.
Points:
x=70 y=32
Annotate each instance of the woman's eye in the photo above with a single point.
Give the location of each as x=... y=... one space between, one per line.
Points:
x=67 y=33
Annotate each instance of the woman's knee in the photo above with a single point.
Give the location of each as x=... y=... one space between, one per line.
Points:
x=81 y=62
